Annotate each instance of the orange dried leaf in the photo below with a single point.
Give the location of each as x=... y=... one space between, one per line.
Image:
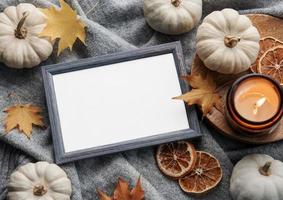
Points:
x=122 y=192
x=23 y=117
x=137 y=192
x=204 y=93
x=63 y=24
x=103 y=196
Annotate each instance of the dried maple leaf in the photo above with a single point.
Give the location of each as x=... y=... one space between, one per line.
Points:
x=65 y=25
x=23 y=117
x=204 y=93
x=122 y=192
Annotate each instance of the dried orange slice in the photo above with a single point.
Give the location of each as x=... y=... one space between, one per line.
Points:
x=265 y=44
x=206 y=175
x=271 y=63
x=176 y=159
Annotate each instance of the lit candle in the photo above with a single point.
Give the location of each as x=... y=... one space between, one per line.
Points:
x=256 y=99
x=258 y=104
x=254 y=104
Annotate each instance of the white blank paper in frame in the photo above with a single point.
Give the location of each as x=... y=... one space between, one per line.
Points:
x=119 y=102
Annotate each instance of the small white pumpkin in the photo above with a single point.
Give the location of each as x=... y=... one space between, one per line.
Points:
x=172 y=17
x=41 y=180
x=20 y=43
x=257 y=177
x=227 y=42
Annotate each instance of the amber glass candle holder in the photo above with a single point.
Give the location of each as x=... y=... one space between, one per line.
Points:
x=254 y=105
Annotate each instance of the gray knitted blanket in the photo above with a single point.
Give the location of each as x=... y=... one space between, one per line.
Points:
x=113 y=26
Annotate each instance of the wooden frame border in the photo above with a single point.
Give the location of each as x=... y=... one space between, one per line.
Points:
x=50 y=70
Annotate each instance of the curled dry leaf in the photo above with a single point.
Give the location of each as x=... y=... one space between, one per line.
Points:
x=122 y=191
x=204 y=93
x=23 y=117
x=65 y=25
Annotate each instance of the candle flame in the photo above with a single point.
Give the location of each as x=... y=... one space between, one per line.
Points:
x=258 y=104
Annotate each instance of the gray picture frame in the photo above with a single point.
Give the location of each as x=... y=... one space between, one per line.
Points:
x=48 y=71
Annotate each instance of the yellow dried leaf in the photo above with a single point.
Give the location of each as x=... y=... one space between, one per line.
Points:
x=63 y=24
x=204 y=93
x=23 y=117
x=122 y=192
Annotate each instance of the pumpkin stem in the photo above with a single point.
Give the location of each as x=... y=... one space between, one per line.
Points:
x=231 y=41
x=264 y=170
x=20 y=31
x=39 y=190
x=176 y=3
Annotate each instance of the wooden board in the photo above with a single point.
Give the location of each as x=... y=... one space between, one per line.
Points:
x=267 y=26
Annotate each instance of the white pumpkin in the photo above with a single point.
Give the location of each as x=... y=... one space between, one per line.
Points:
x=172 y=16
x=227 y=42
x=257 y=177
x=20 y=43
x=39 y=181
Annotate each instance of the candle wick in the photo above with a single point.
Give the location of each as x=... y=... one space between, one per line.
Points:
x=258 y=104
x=255 y=110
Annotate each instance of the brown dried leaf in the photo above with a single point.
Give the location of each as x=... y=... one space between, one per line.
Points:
x=23 y=117
x=204 y=93
x=103 y=196
x=137 y=192
x=122 y=192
